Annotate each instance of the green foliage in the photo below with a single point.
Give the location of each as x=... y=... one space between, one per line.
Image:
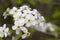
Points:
x=54 y=21
x=1 y=7
x=1 y=38
x=56 y=13
x=11 y=31
x=58 y=29
x=46 y=1
x=32 y=2
x=18 y=36
x=48 y=30
x=31 y=30
x=52 y=38
x=16 y=2
x=4 y=5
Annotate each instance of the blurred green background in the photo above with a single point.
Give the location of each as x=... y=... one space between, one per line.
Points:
x=50 y=9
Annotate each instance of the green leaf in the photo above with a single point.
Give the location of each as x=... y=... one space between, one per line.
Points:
x=32 y=2
x=46 y=1
x=1 y=7
x=11 y=31
x=57 y=29
x=18 y=36
x=31 y=30
x=54 y=21
x=1 y=38
x=16 y=2
x=56 y=13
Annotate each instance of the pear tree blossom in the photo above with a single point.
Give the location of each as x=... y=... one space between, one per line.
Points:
x=4 y=31
x=25 y=17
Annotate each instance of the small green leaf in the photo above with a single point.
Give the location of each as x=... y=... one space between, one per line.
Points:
x=57 y=29
x=56 y=14
x=11 y=31
x=18 y=36
x=16 y=2
x=46 y=1
x=1 y=38
x=31 y=30
x=32 y=2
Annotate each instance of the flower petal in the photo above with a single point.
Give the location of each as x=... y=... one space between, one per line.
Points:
x=24 y=29
x=24 y=36
x=17 y=31
x=5 y=34
x=14 y=27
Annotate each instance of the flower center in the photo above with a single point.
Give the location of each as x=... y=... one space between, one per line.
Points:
x=28 y=34
x=18 y=26
x=29 y=20
x=19 y=17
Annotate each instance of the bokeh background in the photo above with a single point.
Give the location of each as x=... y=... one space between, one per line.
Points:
x=50 y=9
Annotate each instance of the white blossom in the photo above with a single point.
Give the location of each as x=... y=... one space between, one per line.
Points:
x=4 y=31
x=51 y=26
x=25 y=35
x=26 y=17
x=6 y=13
x=19 y=29
x=20 y=22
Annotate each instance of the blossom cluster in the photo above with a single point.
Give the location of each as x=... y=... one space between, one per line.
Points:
x=24 y=17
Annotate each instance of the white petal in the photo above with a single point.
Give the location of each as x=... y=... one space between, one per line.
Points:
x=13 y=38
x=6 y=30
x=24 y=36
x=1 y=34
x=51 y=29
x=34 y=23
x=14 y=27
x=4 y=26
x=24 y=29
x=1 y=29
x=28 y=24
x=14 y=8
x=5 y=34
x=5 y=17
x=17 y=31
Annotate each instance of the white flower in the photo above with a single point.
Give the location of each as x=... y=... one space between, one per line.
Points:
x=30 y=20
x=6 y=13
x=14 y=8
x=20 y=22
x=30 y=17
x=25 y=7
x=17 y=16
x=1 y=32
x=27 y=11
x=25 y=35
x=19 y=28
x=13 y=11
x=50 y=26
x=42 y=26
x=4 y=31
x=42 y=19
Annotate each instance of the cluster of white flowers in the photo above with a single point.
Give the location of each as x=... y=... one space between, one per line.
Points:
x=4 y=32
x=25 y=17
